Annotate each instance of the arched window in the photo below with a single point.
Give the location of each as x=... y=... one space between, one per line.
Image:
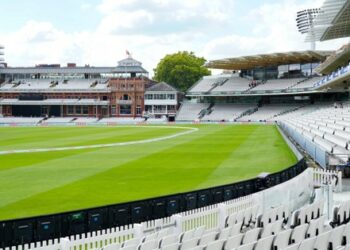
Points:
x=125 y=97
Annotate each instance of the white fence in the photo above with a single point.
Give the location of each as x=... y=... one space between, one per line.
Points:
x=294 y=193
x=328 y=177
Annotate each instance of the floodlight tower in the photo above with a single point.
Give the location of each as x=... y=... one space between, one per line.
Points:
x=305 y=23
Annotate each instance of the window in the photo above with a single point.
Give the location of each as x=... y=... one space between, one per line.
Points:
x=148 y=108
x=85 y=110
x=78 y=109
x=125 y=97
x=171 y=96
x=160 y=96
x=113 y=110
x=138 y=110
x=70 y=110
x=125 y=109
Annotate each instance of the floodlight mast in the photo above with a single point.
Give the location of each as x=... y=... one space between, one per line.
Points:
x=305 y=23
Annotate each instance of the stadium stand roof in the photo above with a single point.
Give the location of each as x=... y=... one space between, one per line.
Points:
x=332 y=22
x=273 y=59
x=128 y=65
x=339 y=57
x=56 y=70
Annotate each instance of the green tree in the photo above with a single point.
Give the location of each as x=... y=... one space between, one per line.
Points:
x=181 y=70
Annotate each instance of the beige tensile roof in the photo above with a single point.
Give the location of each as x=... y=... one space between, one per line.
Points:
x=264 y=60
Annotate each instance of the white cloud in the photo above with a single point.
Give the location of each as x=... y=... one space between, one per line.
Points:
x=119 y=21
x=274 y=30
x=151 y=29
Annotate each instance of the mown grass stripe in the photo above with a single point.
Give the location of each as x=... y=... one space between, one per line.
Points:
x=212 y=156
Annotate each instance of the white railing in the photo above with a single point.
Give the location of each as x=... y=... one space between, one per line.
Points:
x=294 y=193
x=323 y=177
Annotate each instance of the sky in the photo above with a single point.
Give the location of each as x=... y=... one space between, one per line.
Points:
x=98 y=32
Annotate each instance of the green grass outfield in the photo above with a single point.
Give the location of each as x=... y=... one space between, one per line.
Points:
x=50 y=182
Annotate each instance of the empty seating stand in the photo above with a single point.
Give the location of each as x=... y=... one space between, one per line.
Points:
x=311 y=232
x=328 y=128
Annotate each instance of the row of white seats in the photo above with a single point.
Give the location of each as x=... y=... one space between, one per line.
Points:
x=227 y=111
x=333 y=239
x=330 y=143
x=278 y=84
x=309 y=83
x=268 y=112
x=29 y=120
x=190 y=111
x=206 y=83
x=42 y=84
x=233 y=84
x=341 y=213
x=307 y=213
x=199 y=239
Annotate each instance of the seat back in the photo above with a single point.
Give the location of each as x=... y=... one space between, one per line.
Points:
x=307 y=244
x=281 y=240
x=233 y=242
x=215 y=245
x=265 y=243
x=251 y=235
x=299 y=233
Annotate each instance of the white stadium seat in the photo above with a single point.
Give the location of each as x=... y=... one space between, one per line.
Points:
x=174 y=246
x=251 y=235
x=225 y=233
x=131 y=242
x=114 y=246
x=249 y=246
x=233 y=242
x=282 y=239
x=299 y=233
x=206 y=238
x=293 y=247
x=336 y=236
x=321 y=242
x=265 y=243
x=215 y=245
x=188 y=244
x=307 y=244
x=149 y=245
x=169 y=240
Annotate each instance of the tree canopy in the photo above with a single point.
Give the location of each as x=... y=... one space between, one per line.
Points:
x=181 y=70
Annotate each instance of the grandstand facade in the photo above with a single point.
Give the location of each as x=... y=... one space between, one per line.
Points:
x=307 y=90
x=72 y=91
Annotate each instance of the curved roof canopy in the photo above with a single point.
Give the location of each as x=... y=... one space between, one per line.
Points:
x=333 y=21
x=264 y=60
